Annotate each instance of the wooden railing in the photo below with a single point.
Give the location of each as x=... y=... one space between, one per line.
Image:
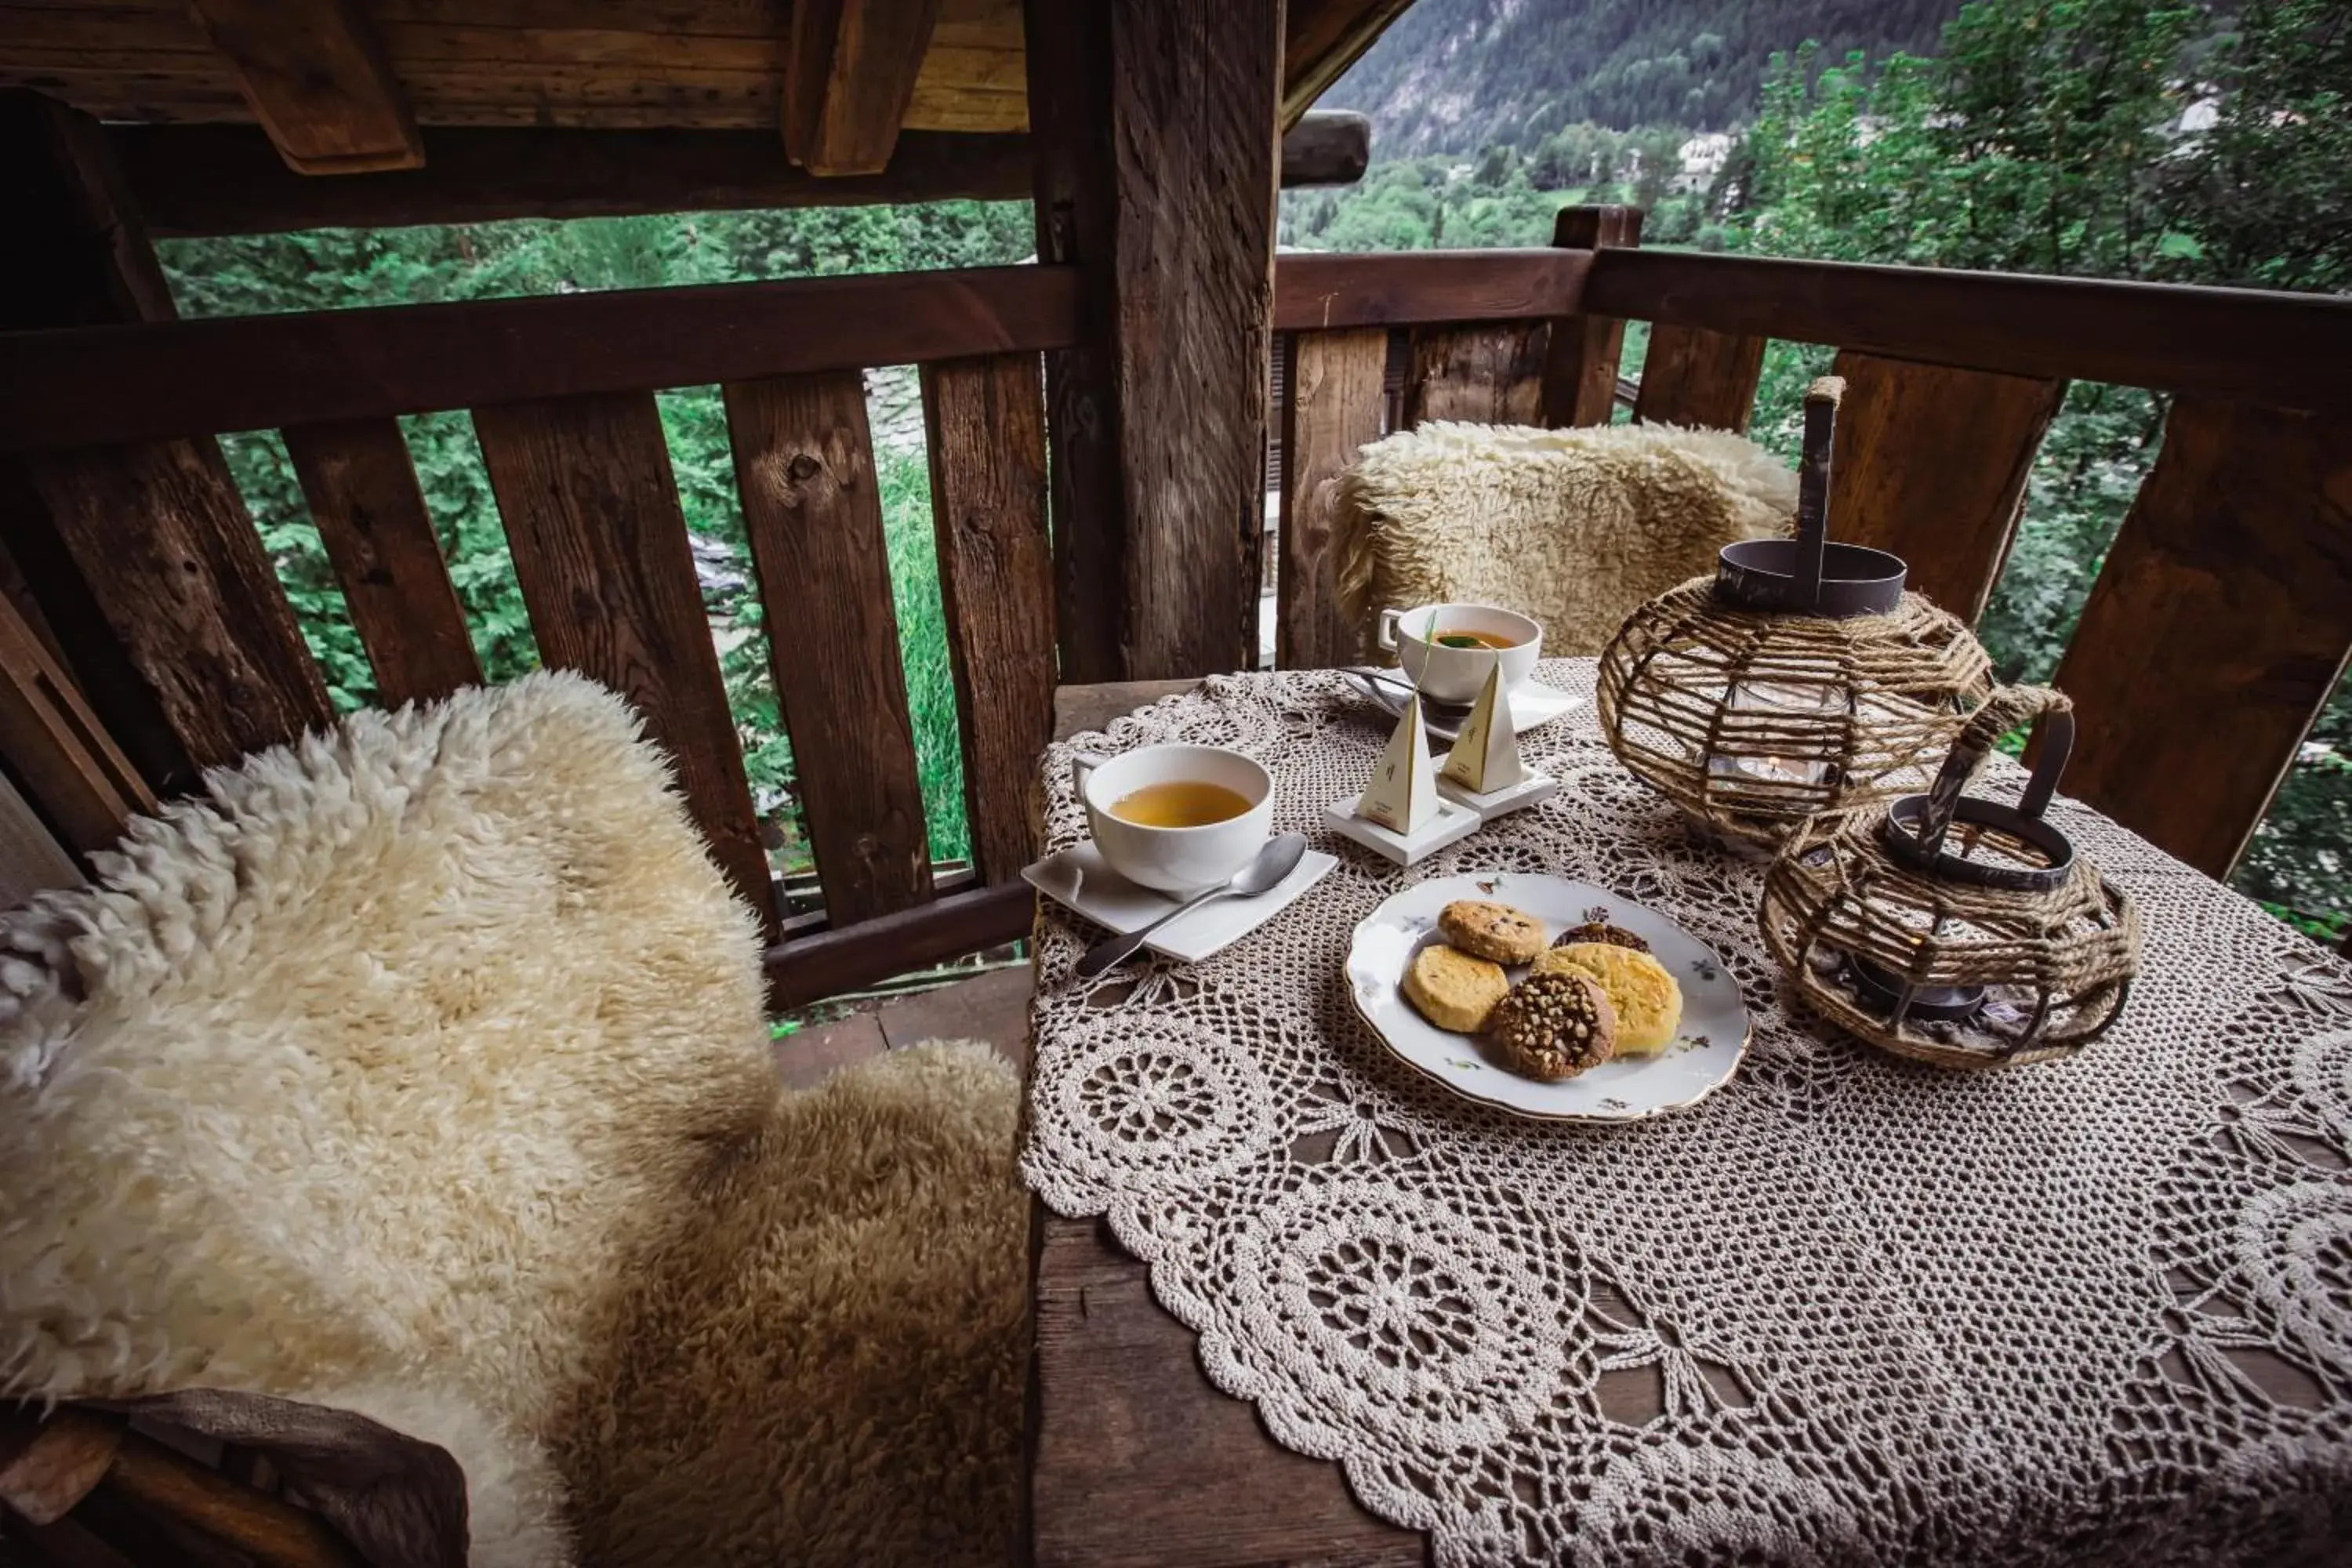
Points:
x=114 y=425
x=2218 y=626
x=2221 y=618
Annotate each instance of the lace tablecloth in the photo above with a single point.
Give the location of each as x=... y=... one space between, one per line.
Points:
x=1873 y=1312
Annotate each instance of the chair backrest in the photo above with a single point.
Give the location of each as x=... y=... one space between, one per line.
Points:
x=1574 y=528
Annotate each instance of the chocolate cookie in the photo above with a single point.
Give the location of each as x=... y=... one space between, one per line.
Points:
x=1554 y=1026
x=1594 y=931
x=1488 y=930
x=1453 y=990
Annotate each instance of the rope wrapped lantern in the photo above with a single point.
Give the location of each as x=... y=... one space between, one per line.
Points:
x=1953 y=929
x=1799 y=679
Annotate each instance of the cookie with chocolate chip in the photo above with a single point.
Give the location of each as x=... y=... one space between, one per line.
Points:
x=1553 y=1026
x=1496 y=932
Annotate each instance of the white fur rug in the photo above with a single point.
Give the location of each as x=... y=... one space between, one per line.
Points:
x=1575 y=527
x=422 y=1073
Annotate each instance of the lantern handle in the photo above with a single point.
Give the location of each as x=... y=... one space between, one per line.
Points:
x=2005 y=709
x=1821 y=401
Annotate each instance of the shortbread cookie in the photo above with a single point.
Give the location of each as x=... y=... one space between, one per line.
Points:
x=1496 y=931
x=1647 y=1002
x=1594 y=931
x=1554 y=1026
x=1453 y=990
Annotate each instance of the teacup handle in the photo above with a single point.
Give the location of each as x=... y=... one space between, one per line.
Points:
x=1081 y=765
x=1386 y=637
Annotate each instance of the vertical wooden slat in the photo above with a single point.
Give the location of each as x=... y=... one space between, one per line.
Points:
x=1582 y=355
x=1491 y=373
x=1153 y=126
x=601 y=553
x=2217 y=628
x=364 y=496
x=84 y=786
x=162 y=538
x=805 y=465
x=1693 y=377
x=1931 y=463
x=985 y=420
x=1334 y=408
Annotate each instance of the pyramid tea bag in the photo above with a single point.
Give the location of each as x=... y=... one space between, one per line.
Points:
x=1402 y=795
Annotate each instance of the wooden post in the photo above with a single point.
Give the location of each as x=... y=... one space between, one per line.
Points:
x=1580 y=363
x=1153 y=123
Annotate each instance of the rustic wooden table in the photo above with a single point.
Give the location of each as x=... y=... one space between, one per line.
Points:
x=1135 y=1457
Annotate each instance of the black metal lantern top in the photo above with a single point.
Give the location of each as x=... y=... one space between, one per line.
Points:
x=1808 y=576
x=1917 y=825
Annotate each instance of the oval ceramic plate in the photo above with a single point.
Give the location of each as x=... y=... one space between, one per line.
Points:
x=1705 y=1050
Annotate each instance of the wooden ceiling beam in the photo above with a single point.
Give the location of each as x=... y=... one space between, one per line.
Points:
x=849 y=79
x=225 y=179
x=318 y=80
x=1321 y=39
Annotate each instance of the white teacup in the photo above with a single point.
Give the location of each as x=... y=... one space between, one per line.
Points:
x=1457 y=674
x=1174 y=860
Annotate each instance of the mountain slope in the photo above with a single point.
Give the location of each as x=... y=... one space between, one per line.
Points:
x=1455 y=76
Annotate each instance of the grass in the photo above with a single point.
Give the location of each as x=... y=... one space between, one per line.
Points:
x=905 y=483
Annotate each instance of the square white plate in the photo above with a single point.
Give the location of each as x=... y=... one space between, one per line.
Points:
x=1078 y=878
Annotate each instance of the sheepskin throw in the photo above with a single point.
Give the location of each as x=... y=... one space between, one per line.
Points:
x=1572 y=526
x=421 y=1072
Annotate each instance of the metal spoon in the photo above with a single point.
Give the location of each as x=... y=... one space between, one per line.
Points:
x=1263 y=875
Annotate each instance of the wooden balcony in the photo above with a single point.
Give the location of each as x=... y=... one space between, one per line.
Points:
x=2218 y=624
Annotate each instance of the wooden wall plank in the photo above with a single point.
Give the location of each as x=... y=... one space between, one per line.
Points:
x=2217 y=628
x=253 y=373
x=1488 y=374
x=317 y=76
x=1154 y=124
x=985 y=420
x=83 y=785
x=31 y=860
x=1693 y=377
x=176 y=567
x=2288 y=350
x=600 y=548
x=1582 y=356
x=1931 y=463
x=364 y=496
x=1335 y=406
x=76 y=257
x=227 y=179
x=804 y=466
x=849 y=79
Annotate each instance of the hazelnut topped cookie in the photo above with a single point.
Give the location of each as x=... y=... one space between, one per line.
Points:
x=1554 y=1026
x=1490 y=931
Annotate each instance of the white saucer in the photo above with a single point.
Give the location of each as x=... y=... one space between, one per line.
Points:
x=1078 y=878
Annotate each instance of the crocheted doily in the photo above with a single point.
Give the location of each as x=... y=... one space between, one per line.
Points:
x=1872 y=1310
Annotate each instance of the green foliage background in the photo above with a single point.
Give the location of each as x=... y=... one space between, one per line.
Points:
x=334 y=269
x=2029 y=135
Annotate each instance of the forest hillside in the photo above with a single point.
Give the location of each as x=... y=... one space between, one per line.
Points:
x=1459 y=76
